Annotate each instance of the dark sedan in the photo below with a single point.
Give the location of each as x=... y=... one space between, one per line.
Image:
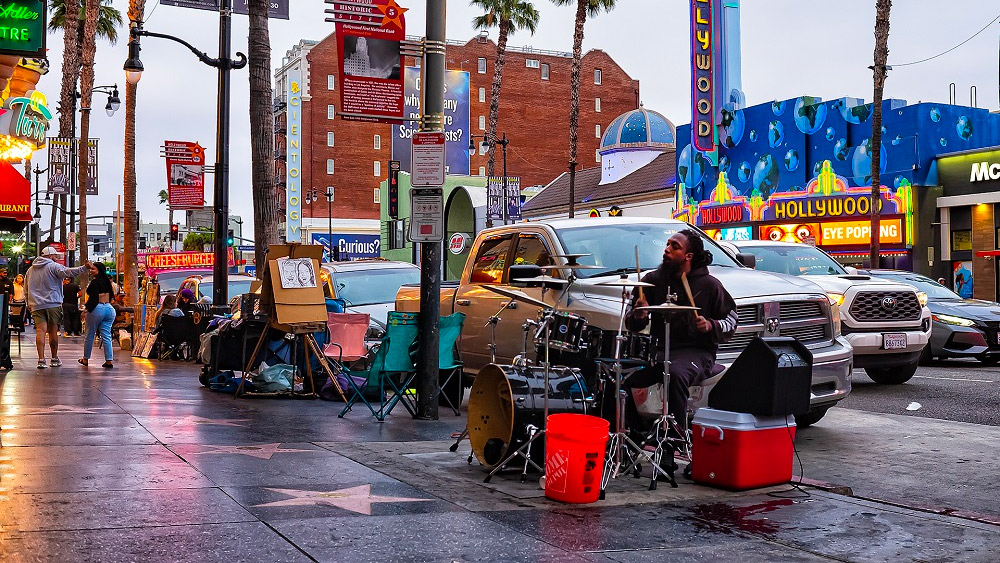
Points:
x=962 y=328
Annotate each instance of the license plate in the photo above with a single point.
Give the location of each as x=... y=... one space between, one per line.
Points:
x=894 y=341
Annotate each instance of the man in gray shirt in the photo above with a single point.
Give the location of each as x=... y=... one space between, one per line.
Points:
x=43 y=285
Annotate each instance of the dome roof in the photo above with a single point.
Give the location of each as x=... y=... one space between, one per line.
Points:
x=639 y=128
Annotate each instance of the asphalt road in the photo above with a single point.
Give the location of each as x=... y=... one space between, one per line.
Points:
x=958 y=390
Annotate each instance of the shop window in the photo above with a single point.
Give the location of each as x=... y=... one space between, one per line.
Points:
x=491 y=260
x=961 y=240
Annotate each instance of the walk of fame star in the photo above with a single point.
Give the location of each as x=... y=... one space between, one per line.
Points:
x=68 y=409
x=356 y=499
x=213 y=421
x=262 y=451
x=392 y=13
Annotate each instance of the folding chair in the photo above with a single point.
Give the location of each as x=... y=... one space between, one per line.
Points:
x=448 y=361
x=175 y=338
x=391 y=364
x=15 y=317
x=347 y=336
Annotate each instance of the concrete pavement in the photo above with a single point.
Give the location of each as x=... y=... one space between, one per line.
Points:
x=141 y=463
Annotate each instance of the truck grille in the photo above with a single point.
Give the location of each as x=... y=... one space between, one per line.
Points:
x=804 y=320
x=739 y=341
x=807 y=333
x=800 y=310
x=748 y=314
x=867 y=306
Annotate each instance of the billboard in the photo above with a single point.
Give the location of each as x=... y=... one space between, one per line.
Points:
x=278 y=9
x=371 y=64
x=293 y=140
x=185 y=174
x=456 y=120
x=349 y=246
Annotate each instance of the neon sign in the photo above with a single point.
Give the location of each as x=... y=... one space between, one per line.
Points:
x=703 y=86
x=22 y=27
x=32 y=121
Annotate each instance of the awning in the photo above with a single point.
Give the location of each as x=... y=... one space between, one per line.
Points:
x=15 y=194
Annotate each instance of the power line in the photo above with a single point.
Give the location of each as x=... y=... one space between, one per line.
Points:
x=953 y=48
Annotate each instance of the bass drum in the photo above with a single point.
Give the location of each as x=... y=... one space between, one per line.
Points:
x=505 y=399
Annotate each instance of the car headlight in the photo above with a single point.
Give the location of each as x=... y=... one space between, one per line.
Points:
x=922 y=297
x=950 y=320
x=836 y=298
x=835 y=313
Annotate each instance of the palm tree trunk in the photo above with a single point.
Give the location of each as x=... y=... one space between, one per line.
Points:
x=574 y=100
x=130 y=259
x=265 y=196
x=67 y=96
x=491 y=130
x=87 y=48
x=882 y=8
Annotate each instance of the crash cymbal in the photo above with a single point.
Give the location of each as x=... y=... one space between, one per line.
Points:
x=571 y=257
x=517 y=295
x=572 y=267
x=625 y=282
x=542 y=279
x=666 y=308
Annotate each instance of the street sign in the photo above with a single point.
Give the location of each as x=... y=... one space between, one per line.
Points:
x=427 y=160
x=246 y=248
x=427 y=215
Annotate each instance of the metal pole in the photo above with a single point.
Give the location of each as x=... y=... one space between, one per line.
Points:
x=430 y=252
x=220 y=272
x=329 y=219
x=74 y=167
x=506 y=207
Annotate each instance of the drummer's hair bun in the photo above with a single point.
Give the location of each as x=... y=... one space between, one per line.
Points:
x=696 y=246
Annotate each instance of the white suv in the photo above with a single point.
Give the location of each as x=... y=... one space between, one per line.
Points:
x=887 y=323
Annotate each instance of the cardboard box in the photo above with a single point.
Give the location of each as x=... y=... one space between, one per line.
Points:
x=292 y=306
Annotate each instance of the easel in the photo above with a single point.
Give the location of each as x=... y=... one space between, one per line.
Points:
x=298 y=312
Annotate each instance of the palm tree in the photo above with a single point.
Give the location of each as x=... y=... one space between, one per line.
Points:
x=164 y=198
x=265 y=196
x=108 y=22
x=88 y=48
x=882 y=8
x=136 y=8
x=508 y=16
x=584 y=9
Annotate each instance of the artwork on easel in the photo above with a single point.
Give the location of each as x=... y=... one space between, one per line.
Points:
x=140 y=342
x=296 y=273
x=147 y=347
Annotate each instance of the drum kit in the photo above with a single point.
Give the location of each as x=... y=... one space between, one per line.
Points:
x=509 y=405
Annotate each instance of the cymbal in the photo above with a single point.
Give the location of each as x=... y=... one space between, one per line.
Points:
x=517 y=295
x=625 y=282
x=542 y=279
x=666 y=308
x=570 y=257
x=571 y=267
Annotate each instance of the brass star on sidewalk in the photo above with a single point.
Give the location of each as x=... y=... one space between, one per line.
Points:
x=213 y=421
x=67 y=409
x=356 y=499
x=262 y=451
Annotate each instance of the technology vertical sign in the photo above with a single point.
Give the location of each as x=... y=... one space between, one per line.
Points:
x=703 y=85
x=293 y=181
x=22 y=27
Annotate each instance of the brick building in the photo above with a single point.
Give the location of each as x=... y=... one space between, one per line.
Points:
x=352 y=156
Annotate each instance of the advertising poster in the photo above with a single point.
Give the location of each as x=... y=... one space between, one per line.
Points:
x=963 y=279
x=185 y=174
x=278 y=9
x=59 y=165
x=349 y=246
x=371 y=65
x=456 y=120
x=92 y=171
x=496 y=199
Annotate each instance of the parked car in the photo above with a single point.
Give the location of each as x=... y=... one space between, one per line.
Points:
x=368 y=286
x=961 y=328
x=170 y=280
x=887 y=322
x=202 y=285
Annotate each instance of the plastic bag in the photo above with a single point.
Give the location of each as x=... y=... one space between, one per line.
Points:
x=274 y=378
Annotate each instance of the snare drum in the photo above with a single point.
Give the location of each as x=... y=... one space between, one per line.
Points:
x=601 y=344
x=565 y=332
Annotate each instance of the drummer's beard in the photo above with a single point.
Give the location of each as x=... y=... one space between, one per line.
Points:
x=669 y=268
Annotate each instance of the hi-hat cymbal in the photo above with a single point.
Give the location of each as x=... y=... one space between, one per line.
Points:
x=666 y=308
x=625 y=282
x=571 y=267
x=570 y=257
x=542 y=279
x=517 y=295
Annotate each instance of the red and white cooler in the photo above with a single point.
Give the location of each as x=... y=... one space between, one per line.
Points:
x=740 y=451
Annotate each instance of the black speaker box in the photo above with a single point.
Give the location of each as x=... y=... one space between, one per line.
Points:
x=771 y=377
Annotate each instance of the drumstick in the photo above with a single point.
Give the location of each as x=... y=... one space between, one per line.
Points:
x=638 y=272
x=687 y=290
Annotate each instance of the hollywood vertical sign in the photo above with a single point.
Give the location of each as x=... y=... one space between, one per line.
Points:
x=293 y=181
x=703 y=73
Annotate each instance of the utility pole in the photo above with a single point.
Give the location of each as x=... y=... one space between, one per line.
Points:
x=430 y=252
x=220 y=271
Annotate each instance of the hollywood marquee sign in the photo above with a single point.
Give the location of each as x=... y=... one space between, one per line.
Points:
x=704 y=34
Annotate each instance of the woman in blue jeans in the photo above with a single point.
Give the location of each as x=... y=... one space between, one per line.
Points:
x=100 y=314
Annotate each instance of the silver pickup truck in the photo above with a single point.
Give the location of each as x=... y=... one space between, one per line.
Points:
x=767 y=304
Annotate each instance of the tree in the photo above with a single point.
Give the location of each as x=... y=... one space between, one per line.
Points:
x=164 y=198
x=882 y=8
x=584 y=9
x=508 y=16
x=197 y=240
x=136 y=8
x=108 y=21
x=88 y=48
x=265 y=195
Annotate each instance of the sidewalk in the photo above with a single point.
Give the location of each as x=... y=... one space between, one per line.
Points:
x=141 y=463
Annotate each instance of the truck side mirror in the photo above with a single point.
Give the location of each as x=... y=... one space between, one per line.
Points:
x=748 y=260
x=524 y=271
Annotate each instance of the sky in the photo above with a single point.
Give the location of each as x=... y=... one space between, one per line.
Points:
x=789 y=48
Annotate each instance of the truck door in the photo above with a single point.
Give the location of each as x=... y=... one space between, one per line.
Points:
x=489 y=266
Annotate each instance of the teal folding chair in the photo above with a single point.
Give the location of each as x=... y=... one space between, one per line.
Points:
x=392 y=365
x=449 y=360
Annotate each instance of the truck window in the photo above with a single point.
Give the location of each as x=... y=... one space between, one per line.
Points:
x=491 y=260
x=531 y=250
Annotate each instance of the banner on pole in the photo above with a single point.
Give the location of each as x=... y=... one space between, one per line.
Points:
x=293 y=146
x=59 y=165
x=369 y=34
x=185 y=174
x=92 y=169
x=278 y=8
x=497 y=199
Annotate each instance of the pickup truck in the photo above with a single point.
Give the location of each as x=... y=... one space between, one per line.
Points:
x=767 y=304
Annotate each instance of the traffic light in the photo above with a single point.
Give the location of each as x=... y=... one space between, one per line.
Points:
x=174 y=232
x=230 y=239
x=394 y=189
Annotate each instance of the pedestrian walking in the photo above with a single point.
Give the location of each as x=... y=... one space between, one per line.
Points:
x=100 y=314
x=71 y=308
x=45 y=297
x=6 y=284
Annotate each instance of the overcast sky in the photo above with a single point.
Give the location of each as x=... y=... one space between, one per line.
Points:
x=790 y=48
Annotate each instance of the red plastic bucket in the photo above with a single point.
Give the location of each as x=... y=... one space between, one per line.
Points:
x=574 y=457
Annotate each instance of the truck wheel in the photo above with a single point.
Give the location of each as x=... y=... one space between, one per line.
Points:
x=892 y=375
x=926 y=358
x=988 y=360
x=811 y=417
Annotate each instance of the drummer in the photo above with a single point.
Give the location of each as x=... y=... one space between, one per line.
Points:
x=695 y=336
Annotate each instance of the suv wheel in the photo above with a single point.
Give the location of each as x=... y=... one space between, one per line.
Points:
x=811 y=417
x=892 y=375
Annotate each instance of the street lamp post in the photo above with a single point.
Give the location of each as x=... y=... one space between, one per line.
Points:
x=329 y=214
x=487 y=142
x=133 y=70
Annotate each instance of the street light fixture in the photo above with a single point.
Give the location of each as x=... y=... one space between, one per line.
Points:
x=329 y=214
x=486 y=143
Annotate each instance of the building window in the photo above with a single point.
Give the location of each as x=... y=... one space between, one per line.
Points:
x=597 y=130
x=597 y=155
x=531 y=63
x=482 y=123
x=377 y=195
x=597 y=105
x=331 y=111
x=377 y=168
x=483 y=149
x=597 y=76
x=482 y=65
x=961 y=240
x=545 y=71
x=329 y=166
x=329 y=138
x=397 y=234
x=482 y=95
x=377 y=143
x=331 y=82
x=482 y=170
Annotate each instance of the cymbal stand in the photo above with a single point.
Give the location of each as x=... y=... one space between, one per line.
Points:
x=620 y=446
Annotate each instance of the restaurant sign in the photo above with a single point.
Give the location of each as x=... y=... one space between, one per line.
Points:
x=183 y=260
x=22 y=27
x=24 y=121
